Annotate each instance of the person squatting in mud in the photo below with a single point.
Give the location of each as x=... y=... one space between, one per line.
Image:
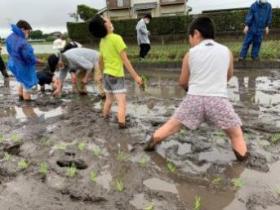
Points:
x=205 y=71
x=3 y=69
x=113 y=58
x=81 y=63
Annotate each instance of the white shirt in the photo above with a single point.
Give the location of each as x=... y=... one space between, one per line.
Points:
x=59 y=44
x=209 y=62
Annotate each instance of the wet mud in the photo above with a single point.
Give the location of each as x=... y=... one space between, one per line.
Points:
x=60 y=154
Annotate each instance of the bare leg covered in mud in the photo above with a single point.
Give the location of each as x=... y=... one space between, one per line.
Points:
x=171 y=127
x=107 y=105
x=238 y=143
x=23 y=95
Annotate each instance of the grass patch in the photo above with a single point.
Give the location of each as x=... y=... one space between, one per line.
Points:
x=15 y=138
x=217 y=181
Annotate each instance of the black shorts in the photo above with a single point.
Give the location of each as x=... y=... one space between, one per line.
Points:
x=44 y=78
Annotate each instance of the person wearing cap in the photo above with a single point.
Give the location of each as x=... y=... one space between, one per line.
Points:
x=143 y=36
x=22 y=60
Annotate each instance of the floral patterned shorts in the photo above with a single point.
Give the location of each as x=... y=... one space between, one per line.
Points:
x=194 y=110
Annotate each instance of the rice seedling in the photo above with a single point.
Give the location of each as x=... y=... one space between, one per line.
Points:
x=275 y=138
x=23 y=164
x=1 y=138
x=7 y=156
x=171 y=167
x=237 y=183
x=216 y=181
x=71 y=171
x=144 y=160
x=151 y=206
x=122 y=156
x=81 y=146
x=60 y=146
x=43 y=168
x=93 y=176
x=145 y=80
x=15 y=138
x=97 y=151
x=197 y=203
x=119 y=185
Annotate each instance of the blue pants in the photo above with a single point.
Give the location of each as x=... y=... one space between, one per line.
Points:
x=256 y=40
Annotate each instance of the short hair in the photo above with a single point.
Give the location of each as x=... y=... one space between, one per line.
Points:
x=24 y=25
x=148 y=16
x=97 y=27
x=205 y=26
x=52 y=62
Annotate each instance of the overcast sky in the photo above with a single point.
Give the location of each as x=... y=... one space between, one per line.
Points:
x=51 y=15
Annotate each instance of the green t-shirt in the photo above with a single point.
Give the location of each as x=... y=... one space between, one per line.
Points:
x=110 y=48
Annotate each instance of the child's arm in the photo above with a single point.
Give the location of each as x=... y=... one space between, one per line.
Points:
x=101 y=64
x=130 y=68
x=231 y=68
x=185 y=73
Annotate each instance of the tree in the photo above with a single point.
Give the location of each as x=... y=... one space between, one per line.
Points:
x=85 y=12
x=37 y=34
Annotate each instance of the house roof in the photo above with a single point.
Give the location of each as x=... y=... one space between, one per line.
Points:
x=143 y=6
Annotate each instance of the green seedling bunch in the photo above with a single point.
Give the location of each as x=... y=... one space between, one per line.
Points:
x=1 y=138
x=122 y=156
x=93 y=176
x=119 y=185
x=43 y=168
x=7 y=156
x=23 y=164
x=15 y=138
x=97 y=151
x=237 y=183
x=275 y=138
x=171 y=167
x=144 y=160
x=81 y=146
x=216 y=181
x=151 y=206
x=60 y=146
x=71 y=171
x=145 y=80
x=197 y=203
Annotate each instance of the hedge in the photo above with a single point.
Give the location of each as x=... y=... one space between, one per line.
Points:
x=230 y=21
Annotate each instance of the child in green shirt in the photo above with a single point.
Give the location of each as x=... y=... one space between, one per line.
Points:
x=112 y=58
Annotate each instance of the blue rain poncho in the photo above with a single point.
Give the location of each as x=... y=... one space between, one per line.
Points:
x=22 y=61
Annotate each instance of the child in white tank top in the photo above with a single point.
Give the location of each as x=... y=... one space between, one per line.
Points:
x=205 y=72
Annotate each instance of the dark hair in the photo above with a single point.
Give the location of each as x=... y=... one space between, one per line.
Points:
x=205 y=26
x=52 y=62
x=148 y=16
x=69 y=45
x=97 y=27
x=24 y=25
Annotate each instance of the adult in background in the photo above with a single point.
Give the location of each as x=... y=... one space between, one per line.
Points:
x=257 y=22
x=22 y=60
x=143 y=36
x=3 y=69
x=59 y=43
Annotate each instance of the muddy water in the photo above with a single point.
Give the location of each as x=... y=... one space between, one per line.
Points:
x=111 y=171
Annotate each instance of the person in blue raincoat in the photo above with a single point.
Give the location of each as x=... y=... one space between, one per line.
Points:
x=22 y=60
x=258 y=21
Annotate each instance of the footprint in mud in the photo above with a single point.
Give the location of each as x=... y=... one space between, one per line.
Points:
x=79 y=164
x=258 y=162
x=12 y=148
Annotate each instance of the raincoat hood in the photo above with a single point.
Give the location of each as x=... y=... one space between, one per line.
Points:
x=17 y=31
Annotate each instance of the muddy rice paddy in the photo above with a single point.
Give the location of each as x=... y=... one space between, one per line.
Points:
x=60 y=154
